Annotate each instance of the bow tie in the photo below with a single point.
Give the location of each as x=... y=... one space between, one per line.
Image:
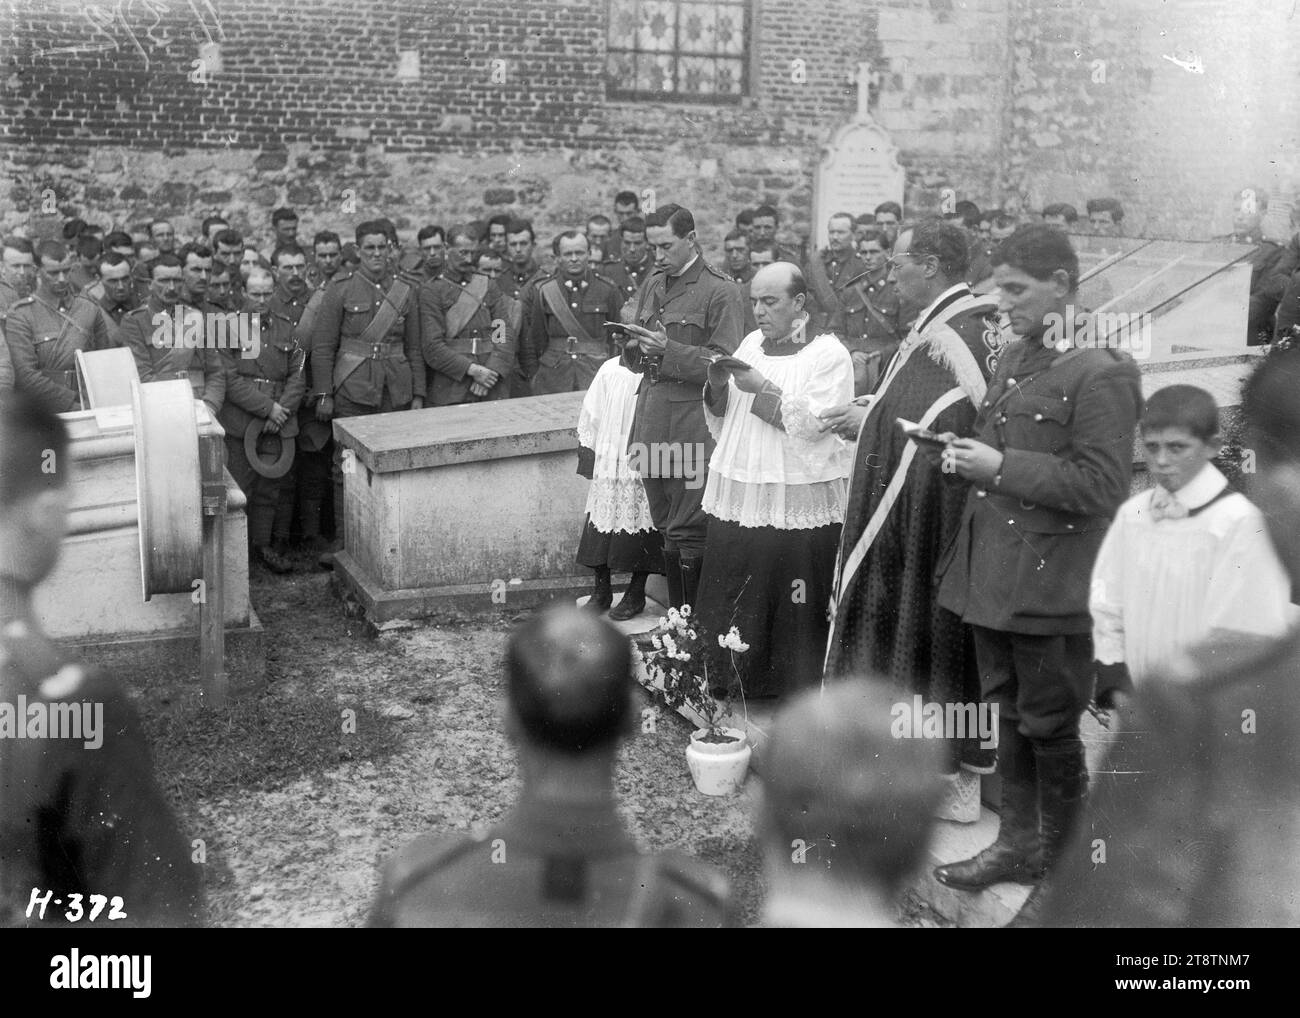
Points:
x=1165 y=506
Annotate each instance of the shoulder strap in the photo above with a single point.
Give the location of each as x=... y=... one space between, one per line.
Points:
x=555 y=301
x=876 y=316
x=387 y=313
x=302 y=331
x=467 y=304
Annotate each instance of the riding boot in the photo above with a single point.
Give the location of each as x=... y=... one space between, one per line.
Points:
x=632 y=603
x=691 y=578
x=673 y=573
x=1062 y=788
x=602 y=593
x=1014 y=854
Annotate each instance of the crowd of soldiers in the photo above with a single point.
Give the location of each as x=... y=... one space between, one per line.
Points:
x=472 y=313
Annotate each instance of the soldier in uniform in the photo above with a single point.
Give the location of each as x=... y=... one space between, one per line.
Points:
x=828 y=273
x=735 y=248
x=601 y=246
x=17 y=274
x=116 y=294
x=227 y=250
x=565 y=343
x=196 y=270
x=85 y=273
x=465 y=323
x=163 y=236
x=284 y=229
x=637 y=262
x=46 y=330
x=433 y=244
x=366 y=346
x=155 y=334
x=79 y=816
x=889 y=216
x=561 y=857
x=327 y=259
x=1049 y=467
x=874 y=315
x=766 y=220
x=263 y=393
x=517 y=281
x=686 y=315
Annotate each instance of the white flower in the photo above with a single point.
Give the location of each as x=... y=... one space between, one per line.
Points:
x=658 y=643
x=674 y=617
x=686 y=611
x=691 y=634
x=732 y=641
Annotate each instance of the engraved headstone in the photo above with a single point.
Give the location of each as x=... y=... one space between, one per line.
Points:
x=859 y=167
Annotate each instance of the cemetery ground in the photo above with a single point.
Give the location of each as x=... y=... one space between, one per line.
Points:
x=294 y=795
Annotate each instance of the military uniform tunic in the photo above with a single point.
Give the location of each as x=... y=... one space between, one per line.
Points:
x=43 y=341
x=550 y=355
x=158 y=358
x=485 y=339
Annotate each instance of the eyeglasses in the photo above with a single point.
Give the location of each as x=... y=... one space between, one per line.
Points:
x=892 y=261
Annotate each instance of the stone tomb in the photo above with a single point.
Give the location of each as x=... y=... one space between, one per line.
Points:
x=470 y=505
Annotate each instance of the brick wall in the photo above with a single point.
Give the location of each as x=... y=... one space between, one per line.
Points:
x=984 y=96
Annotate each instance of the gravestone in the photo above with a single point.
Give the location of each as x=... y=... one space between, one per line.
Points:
x=859 y=167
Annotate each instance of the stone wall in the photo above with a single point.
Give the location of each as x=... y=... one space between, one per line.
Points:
x=988 y=97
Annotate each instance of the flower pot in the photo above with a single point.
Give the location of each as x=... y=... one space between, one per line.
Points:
x=718 y=768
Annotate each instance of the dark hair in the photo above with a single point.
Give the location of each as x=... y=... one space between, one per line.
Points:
x=633 y=224
x=627 y=198
x=737 y=235
x=230 y=238
x=599 y=220
x=282 y=249
x=141 y=245
x=196 y=248
x=521 y=226
x=466 y=230
x=349 y=255
x=375 y=228
x=52 y=250
x=1039 y=250
x=501 y=219
x=430 y=231
x=390 y=230
x=325 y=237
x=29 y=433
x=946 y=242
x=767 y=212
x=1060 y=208
x=113 y=259
x=1181 y=406
x=744 y=216
x=569 y=680
x=1003 y=219
x=835 y=777
x=1110 y=205
x=969 y=213
x=88 y=246
x=73 y=228
x=874 y=233
x=155 y=222
x=118 y=239
x=19 y=244
x=1269 y=406
x=212 y=221
x=676 y=218
x=889 y=206
x=283 y=215
x=165 y=261
x=841 y=215
x=566 y=235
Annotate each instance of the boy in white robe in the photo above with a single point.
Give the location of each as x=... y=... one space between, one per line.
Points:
x=1185 y=561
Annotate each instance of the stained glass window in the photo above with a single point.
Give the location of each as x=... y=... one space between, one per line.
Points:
x=682 y=50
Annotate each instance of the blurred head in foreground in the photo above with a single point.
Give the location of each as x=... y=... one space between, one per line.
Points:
x=1272 y=422
x=34 y=493
x=846 y=810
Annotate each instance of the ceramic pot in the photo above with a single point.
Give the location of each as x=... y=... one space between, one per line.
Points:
x=718 y=768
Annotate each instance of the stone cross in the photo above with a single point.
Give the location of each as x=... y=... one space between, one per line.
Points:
x=864 y=78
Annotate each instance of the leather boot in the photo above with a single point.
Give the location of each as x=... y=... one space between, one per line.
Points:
x=632 y=603
x=1062 y=788
x=1014 y=855
x=602 y=593
x=691 y=578
x=673 y=573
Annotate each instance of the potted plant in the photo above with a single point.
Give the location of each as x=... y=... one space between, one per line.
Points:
x=684 y=666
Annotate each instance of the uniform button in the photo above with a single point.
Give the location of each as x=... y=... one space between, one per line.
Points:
x=980 y=493
x=1069 y=526
x=1011 y=381
x=1038 y=417
x=573 y=303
